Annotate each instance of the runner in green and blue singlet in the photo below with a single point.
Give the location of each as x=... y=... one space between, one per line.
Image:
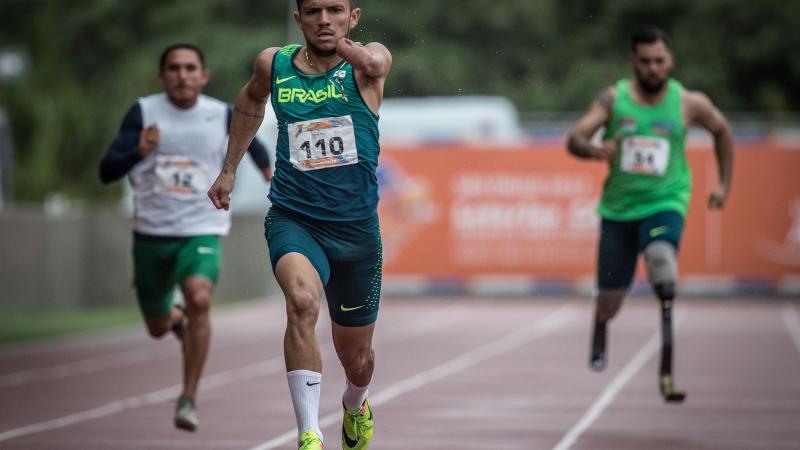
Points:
x=327 y=150
x=322 y=229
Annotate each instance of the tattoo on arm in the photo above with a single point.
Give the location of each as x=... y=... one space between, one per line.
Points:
x=248 y=114
x=606 y=99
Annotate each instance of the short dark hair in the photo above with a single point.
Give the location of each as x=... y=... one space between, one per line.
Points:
x=180 y=46
x=649 y=35
x=352 y=4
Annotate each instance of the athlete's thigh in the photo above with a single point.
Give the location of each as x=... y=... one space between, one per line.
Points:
x=288 y=233
x=354 y=289
x=663 y=226
x=617 y=254
x=154 y=275
x=199 y=256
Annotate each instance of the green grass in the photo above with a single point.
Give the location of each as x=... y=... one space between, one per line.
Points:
x=24 y=325
x=16 y=326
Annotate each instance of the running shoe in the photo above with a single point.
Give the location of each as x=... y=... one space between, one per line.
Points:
x=357 y=428
x=309 y=440
x=186 y=414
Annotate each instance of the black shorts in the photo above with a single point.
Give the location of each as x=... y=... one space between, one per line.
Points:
x=621 y=243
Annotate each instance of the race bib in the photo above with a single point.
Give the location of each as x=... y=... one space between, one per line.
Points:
x=179 y=175
x=647 y=155
x=322 y=143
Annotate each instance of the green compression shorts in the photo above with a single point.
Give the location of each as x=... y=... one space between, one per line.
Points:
x=162 y=262
x=348 y=257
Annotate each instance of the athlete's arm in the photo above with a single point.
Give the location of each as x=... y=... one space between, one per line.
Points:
x=257 y=151
x=124 y=151
x=371 y=64
x=579 y=137
x=703 y=112
x=372 y=60
x=248 y=113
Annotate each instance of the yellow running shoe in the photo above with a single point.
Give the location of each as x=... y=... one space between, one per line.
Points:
x=357 y=428
x=309 y=440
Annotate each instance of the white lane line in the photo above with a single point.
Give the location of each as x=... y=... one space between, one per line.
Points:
x=418 y=326
x=267 y=367
x=610 y=392
x=505 y=344
x=129 y=358
x=94 y=364
x=98 y=363
x=791 y=319
x=81 y=367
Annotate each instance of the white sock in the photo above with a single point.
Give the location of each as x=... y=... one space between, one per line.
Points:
x=304 y=387
x=354 y=396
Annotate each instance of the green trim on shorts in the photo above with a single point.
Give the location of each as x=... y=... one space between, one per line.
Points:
x=162 y=263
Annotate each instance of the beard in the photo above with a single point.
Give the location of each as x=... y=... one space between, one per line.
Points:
x=651 y=86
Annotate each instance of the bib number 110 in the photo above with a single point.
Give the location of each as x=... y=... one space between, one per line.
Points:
x=335 y=145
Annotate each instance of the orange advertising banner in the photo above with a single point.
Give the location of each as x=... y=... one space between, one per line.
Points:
x=530 y=211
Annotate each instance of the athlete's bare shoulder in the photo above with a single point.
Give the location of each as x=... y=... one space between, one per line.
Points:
x=606 y=97
x=696 y=104
x=264 y=59
x=695 y=98
x=260 y=83
x=699 y=109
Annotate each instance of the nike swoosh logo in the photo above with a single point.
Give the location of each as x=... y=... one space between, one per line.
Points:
x=206 y=250
x=283 y=80
x=346 y=439
x=308 y=383
x=346 y=309
x=658 y=231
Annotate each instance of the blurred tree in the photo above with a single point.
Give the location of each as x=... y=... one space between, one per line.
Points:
x=92 y=58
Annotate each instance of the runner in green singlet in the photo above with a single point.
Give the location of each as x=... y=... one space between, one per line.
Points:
x=646 y=193
x=322 y=229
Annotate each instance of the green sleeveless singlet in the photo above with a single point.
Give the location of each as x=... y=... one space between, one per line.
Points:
x=649 y=173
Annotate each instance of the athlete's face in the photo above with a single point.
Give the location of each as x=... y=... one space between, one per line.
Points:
x=183 y=77
x=324 y=22
x=652 y=64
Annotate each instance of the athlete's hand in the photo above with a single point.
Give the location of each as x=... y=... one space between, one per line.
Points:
x=717 y=197
x=148 y=140
x=220 y=192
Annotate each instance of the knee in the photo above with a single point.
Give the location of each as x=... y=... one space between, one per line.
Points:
x=356 y=360
x=302 y=307
x=198 y=303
